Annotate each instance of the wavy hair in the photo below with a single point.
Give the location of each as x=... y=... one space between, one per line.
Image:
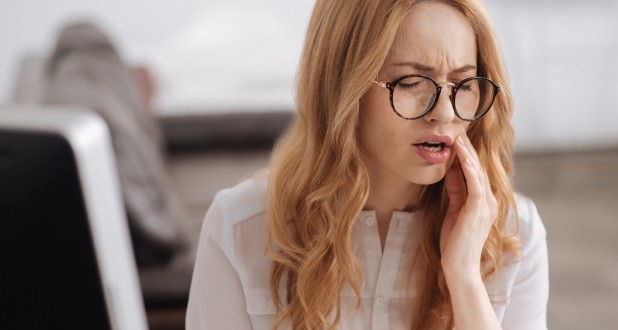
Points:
x=319 y=183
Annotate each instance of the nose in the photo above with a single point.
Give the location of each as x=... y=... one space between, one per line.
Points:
x=442 y=112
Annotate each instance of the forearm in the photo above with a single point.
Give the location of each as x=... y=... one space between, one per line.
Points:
x=472 y=308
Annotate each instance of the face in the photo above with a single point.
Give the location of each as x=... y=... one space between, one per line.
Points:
x=437 y=41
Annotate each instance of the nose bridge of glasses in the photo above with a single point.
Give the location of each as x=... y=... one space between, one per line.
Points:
x=446 y=94
x=442 y=86
x=446 y=84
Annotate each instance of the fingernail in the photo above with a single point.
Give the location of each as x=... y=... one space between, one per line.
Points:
x=468 y=162
x=460 y=140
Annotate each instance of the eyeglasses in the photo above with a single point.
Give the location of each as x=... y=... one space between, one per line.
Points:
x=414 y=96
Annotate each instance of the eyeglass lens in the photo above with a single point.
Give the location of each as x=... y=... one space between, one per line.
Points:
x=413 y=96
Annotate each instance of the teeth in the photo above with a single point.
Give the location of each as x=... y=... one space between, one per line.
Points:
x=432 y=149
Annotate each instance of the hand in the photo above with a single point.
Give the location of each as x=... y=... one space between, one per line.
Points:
x=146 y=84
x=471 y=212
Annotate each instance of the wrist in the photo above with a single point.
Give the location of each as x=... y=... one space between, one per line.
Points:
x=472 y=307
x=462 y=274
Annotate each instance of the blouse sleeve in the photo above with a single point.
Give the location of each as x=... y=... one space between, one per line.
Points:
x=527 y=309
x=216 y=298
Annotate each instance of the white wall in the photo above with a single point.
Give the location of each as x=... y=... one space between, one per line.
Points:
x=562 y=55
x=30 y=26
x=563 y=63
x=197 y=49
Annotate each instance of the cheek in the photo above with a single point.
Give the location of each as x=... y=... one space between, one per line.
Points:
x=375 y=103
x=369 y=112
x=376 y=132
x=378 y=125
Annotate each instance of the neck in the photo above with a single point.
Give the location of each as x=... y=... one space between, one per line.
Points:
x=386 y=196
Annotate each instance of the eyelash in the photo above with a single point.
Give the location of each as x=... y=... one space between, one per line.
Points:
x=409 y=86
x=466 y=88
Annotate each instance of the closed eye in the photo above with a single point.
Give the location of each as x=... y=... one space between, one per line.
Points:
x=466 y=87
x=409 y=86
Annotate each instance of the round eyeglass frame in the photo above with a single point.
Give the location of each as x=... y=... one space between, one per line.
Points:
x=391 y=87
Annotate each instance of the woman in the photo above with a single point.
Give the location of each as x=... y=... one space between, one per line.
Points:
x=388 y=204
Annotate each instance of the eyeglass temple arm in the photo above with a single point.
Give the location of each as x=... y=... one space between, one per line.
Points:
x=381 y=84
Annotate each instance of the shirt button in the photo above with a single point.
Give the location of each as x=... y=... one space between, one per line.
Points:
x=369 y=220
x=379 y=301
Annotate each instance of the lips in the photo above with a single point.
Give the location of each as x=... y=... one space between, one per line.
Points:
x=434 y=149
x=431 y=146
x=444 y=140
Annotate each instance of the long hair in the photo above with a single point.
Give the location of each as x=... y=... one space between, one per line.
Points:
x=319 y=183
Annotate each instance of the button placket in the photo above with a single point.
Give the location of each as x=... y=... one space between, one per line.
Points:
x=389 y=268
x=369 y=220
x=371 y=256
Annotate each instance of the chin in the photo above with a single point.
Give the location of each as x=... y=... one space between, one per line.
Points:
x=427 y=176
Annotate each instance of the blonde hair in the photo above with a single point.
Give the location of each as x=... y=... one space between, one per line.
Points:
x=318 y=182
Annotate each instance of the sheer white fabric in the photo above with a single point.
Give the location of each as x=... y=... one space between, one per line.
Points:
x=230 y=287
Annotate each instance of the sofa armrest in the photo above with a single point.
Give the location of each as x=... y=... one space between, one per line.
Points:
x=236 y=130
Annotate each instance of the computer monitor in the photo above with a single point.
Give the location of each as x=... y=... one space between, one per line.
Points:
x=65 y=252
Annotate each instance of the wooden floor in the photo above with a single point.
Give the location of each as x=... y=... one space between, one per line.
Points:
x=576 y=194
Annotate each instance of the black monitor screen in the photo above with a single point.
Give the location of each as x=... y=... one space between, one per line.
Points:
x=49 y=277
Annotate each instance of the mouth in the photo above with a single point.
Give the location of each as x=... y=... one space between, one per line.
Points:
x=431 y=146
x=434 y=149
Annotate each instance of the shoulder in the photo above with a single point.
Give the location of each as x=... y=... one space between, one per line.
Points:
x=521 y=282
x=523 y=223
x=231 y=273
x=520 y=288
x=236 y=222
x=243 y=201
x=527 y=224
x=236 y=212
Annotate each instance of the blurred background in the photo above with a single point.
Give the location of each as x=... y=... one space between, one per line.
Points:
x=223 y=73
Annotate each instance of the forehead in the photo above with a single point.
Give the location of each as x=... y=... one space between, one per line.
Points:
x=436 y=35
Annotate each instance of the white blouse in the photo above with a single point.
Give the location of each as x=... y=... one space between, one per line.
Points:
x=230 y=286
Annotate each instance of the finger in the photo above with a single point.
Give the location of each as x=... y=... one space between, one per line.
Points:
x=464 y=153
x=473 y=180
x=460 y=150
x=490 y=199
x=469 y=146
x=456 y=186
x=477 y=162
x=470 y=171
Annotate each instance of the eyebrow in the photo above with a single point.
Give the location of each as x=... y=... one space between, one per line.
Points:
x=422 y=67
